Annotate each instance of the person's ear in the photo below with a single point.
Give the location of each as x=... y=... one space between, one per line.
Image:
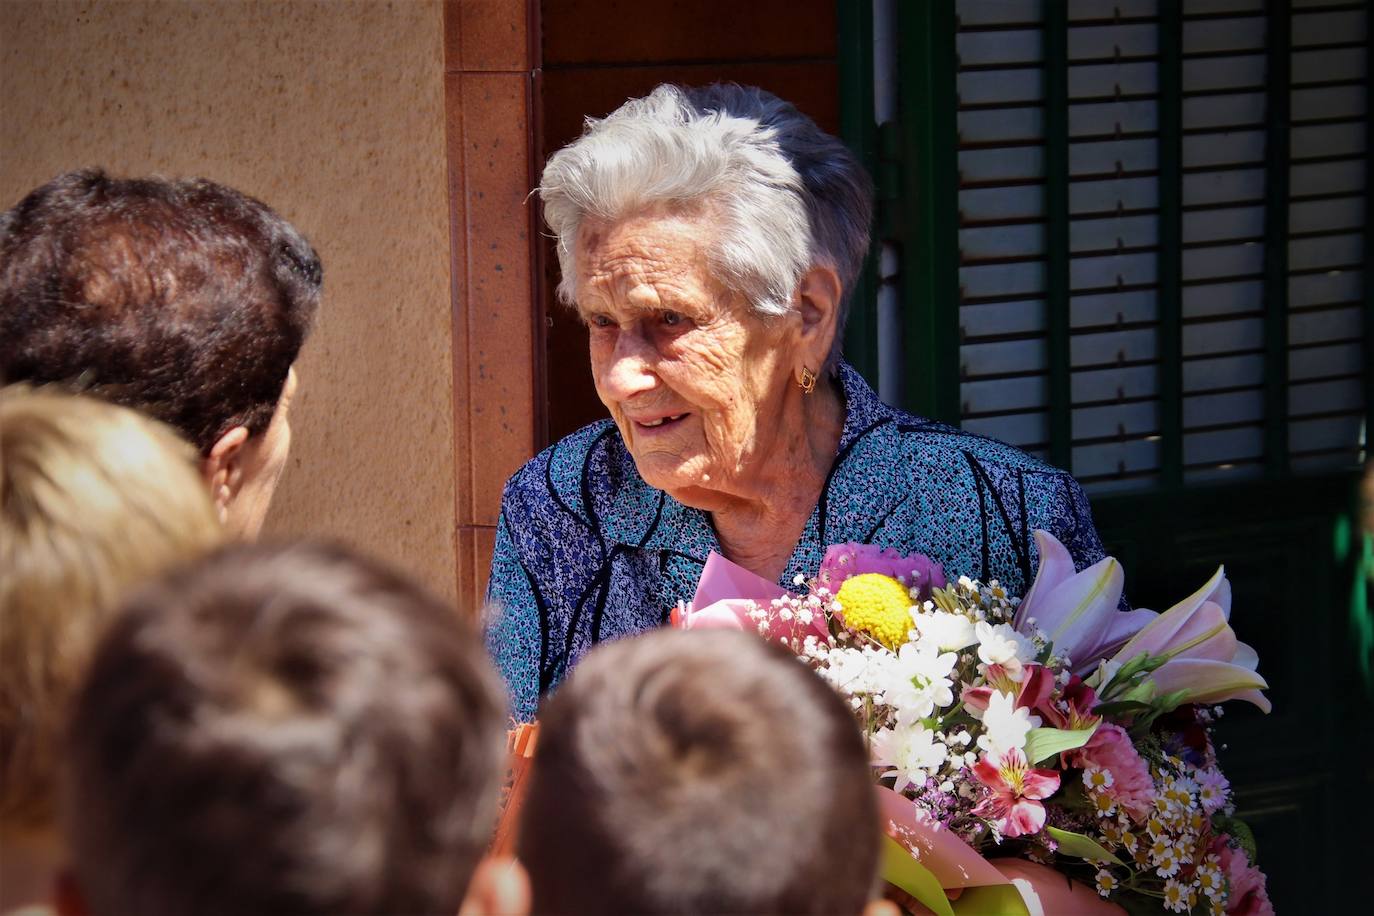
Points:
x=818 y=300
x=67 y=899
x=881 y=907
x=499 y=887
x=223 y=469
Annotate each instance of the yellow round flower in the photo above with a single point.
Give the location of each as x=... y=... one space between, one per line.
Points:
x=877 y=605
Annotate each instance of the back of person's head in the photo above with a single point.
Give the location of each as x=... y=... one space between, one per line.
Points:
x=283 y=729
x=186 y=299
x=94 y=499
x=699 y=772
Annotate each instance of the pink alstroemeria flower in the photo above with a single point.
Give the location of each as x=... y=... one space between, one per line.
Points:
x=1034 y=688
x=1074 y=708
x=1204 y=656
x=1016 y=790
x=1077 y=610
x=844 y=560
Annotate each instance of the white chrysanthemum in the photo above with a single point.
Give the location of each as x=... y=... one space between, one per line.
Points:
x=918 y=681
x=910 y=752
x=1097 y=778
x=999 y=644
x=858 y=671
x=949 y=632
x=1209 y=878
x=1005 y=726
x=1175 y=896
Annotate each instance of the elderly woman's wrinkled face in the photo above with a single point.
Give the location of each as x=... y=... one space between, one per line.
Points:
x=684 y=366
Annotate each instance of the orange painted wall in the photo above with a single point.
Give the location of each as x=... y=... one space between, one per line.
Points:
x=333 y=113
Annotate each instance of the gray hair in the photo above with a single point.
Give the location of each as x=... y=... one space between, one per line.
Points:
x=788 y=195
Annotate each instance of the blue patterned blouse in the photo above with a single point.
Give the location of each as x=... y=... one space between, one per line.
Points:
x=587 y=551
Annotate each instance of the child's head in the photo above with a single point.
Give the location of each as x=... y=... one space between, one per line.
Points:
x=699 y=772
x=289 y=729
x=94 y=498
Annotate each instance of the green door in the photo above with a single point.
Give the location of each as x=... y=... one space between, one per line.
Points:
x=1131 y=238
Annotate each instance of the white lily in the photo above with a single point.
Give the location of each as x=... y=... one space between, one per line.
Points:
x=1204 y=656
x=1078 y=610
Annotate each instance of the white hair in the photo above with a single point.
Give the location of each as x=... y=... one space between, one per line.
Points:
x=785 y=195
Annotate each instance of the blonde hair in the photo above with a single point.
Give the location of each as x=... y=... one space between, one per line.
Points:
x=94 y=498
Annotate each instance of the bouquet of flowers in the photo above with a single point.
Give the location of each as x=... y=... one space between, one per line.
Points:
x=1015 y=739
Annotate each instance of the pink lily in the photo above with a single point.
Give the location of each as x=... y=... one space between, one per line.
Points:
x=1016 y=790
x=1078 y=610
x=1204 y=656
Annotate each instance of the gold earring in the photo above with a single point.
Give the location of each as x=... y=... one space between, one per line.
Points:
x=808 y=380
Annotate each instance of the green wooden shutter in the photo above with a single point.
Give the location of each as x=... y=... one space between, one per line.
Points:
x=1328 y=246
x=1160 y=215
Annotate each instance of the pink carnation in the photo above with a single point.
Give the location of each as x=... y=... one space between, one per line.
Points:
x=1110 y=748
x=1248 y=896
x=845 y=560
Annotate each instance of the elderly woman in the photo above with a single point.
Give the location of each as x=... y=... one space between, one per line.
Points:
x=710 y=239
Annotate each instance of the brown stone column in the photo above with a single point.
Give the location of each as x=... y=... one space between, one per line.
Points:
x=490 y=61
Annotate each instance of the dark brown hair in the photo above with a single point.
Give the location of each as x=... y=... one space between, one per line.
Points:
x=283 y=730
x=699 y=772
x=186 y=300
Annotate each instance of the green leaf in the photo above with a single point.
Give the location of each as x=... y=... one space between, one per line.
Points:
x=1158 y=707
x=1126 y=683
x=1043 y=743
x=1084 y=847
x=993 y=900
x=1171 y=701
x=901 y=868
x=946 y=600
x=1142 y=692
x=1072 y=798
x=1119 y=707
x=1143 y=662
x=1238 y=831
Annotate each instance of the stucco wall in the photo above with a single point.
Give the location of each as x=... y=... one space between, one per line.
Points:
x=333 y=113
